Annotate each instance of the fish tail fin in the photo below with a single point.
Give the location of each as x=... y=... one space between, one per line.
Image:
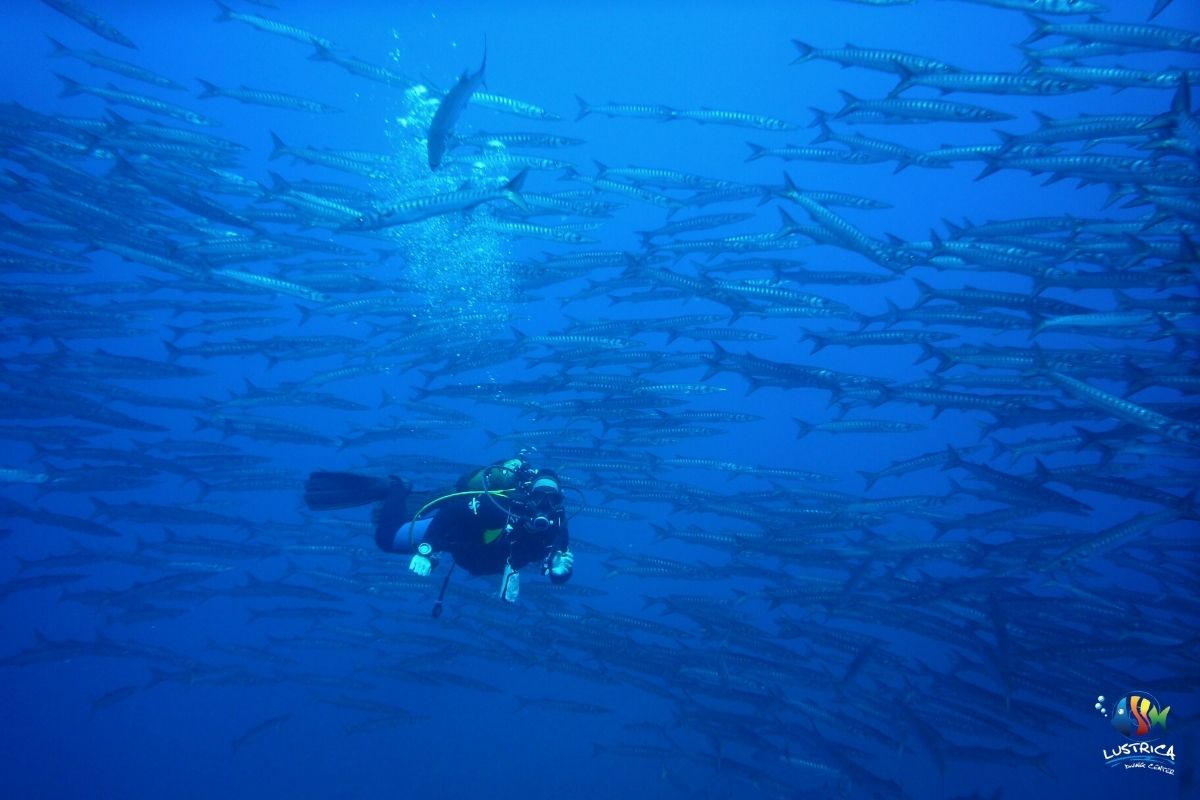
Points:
x=70 y=86
x=906 y=81
x=826 y=134
x=1039 y=31
x=927 y=291
x=992 y=165
x=1007 y=140
x=1159 y=6
x=819 y=116
x=787 y=224
x=278 y=182
x=278 y=148
x=305 y=313
x=953 y=459
x=483 y=63
x=756 y=151
x=60 y=49
x=584 y=108
x=806 y=51
x=210 y=89
x=512 y=190
x=226 y=12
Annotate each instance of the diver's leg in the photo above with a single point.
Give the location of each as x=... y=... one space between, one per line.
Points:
x=400 y=541
x=391 y=514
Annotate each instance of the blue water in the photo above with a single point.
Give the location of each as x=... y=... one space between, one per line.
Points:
x=765 y=688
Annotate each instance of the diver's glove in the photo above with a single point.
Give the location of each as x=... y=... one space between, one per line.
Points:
x=422 y=563
x=562 y=564
x=510 y=585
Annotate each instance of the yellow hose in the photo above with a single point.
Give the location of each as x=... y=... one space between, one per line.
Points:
x=436 y=500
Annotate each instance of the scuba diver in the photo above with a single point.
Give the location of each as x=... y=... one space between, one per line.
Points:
x=498 y=519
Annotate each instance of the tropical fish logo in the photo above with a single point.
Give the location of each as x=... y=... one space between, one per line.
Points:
x=1137 y=714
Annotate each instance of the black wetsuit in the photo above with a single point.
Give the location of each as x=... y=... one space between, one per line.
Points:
x=472 y=530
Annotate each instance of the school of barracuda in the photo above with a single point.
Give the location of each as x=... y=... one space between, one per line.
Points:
x=226 y=270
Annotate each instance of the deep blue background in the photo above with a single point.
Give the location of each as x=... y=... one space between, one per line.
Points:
x=176 y=738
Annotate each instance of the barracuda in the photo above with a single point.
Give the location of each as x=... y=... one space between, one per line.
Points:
x=875 y=338
x=508 y=105
x=843 y=231
x=569 y=340
x=991 y=83
x=1031 y=490
x=326 y=158
x=828 y=198
x=634 y=110
x=825 y=154
x=320 y=208
x=519 y=139
x=1109 y=539
x=1046 y=6
x=1177 y=430
x=124 y=68
x=92 y=21
x=923 y=109
x=1106 y=322
x=531 y=231
x=111 y=94
x=449 y=109
x=856 y=426
x=271 y=284
x=601 y=184
x=969 y=296
x=362 y=69
x=884 y=60
x=272 y=26
x=259 y=97
x=737 y=118
x=1121 y=77
x=422 y=208
x=1151 y=37
x=784 y=296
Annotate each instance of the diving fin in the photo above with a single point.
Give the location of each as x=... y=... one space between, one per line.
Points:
x=329 y=490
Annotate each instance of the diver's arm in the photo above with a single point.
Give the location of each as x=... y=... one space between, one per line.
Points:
x=562 y=563
x=562 y=566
